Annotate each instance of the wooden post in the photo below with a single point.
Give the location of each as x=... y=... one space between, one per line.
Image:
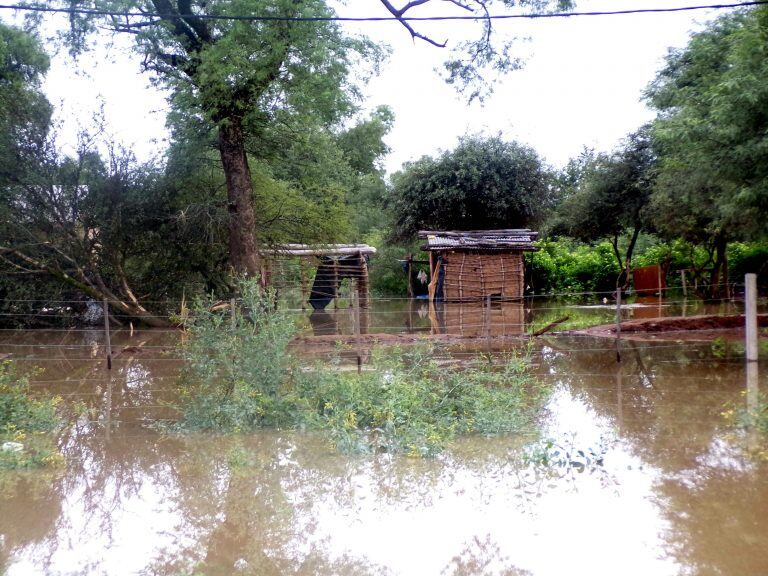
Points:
x=618 y=323
x=356 y=325
x=303 y=268
x=335 y=291
x=619 y=400
x=108 y=408
x=685 y=284
x=362 y=283
x=233 y=315
x=753 y=400
x=750 y=313
x=409 y=272
x=432 y=277
x=658 y=270
x=488 y=317
x=107 y=340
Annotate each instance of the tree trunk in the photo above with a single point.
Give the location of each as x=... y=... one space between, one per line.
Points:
x=243 y=247
x=720 y=268
x=630 y=252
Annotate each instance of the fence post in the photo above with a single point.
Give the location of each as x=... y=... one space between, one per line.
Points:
x=303 y=269
x=685 y=284
x=335 y=290
x=750 y=314
x=409 y=271
x=356 y=323
x=233 y=314
x=108 y=342
x=618 y=323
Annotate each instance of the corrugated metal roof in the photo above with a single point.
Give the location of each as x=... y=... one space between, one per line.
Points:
x=499 y=240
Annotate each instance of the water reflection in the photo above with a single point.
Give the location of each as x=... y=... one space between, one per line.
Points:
x=634 y=472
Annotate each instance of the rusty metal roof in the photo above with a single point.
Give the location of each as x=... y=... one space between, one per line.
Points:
x=484 y=240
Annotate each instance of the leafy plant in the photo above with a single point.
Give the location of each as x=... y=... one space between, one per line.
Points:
x=238 y=367
x=411 y=403
x=26 y=423
x=240 y=375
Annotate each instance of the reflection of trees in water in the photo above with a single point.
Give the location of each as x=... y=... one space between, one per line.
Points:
x=28 y=510
x=669 y=416
x=720 y=522
x=665 y=401
x=482 y=557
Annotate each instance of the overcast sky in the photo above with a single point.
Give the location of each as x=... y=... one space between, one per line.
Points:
x=581 y=84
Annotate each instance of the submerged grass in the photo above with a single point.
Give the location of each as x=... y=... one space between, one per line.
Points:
x=240 y=375
x=26 y=423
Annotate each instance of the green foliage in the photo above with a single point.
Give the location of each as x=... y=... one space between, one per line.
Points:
x=238 y=371
x=484 y=183
x=24 y=111
x=748 y=259
x=611 y=195
x=240 y=375
x=26 y=423
x=562 y=266
x=711 y=131
x=410 y=403
x=387 y=276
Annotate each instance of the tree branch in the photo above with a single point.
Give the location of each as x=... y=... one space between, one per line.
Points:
x=401 y=12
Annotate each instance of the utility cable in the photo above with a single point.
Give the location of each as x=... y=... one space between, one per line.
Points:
x=403 y=18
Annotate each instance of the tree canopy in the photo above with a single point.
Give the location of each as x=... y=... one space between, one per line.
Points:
x=484 y=183
x=712 y=135
x=611 y=196
x=24 y=111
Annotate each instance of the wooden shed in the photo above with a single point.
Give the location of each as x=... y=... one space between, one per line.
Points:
x=332 y=263
x=477 y=264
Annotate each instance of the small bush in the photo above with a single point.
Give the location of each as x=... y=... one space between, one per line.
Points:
x=241 y=376
x=237 y=365
x=409 y=403
x=26 y=423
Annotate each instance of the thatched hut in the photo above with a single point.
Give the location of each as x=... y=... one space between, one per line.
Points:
x=475 y=265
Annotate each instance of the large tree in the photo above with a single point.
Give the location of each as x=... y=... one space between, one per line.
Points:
x=712 y=134
x=239 y=74
x=484 y=183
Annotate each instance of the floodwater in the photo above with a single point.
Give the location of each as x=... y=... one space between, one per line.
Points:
x=654 y=481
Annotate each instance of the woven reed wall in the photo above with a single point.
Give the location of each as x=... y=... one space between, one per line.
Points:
x=474 y=276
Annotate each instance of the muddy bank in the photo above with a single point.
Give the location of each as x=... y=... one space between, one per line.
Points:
x=677 y=328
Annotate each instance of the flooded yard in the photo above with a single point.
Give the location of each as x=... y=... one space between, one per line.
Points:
x=634 y=471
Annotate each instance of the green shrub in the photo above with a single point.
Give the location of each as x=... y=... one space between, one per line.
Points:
x=564 y=266
x=410 y=403
x=240 y=376
x=237 y=365
x=748 y=259
x=387 y=276
x=26 y=423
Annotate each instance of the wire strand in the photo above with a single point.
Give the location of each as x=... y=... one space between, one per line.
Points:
x=392 y=18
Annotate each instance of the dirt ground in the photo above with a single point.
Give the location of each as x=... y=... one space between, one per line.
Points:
x=702 y=328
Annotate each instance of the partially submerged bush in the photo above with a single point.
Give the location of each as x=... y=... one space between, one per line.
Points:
x=238 y=369
x=240 y=376
x=411 y=403
x=26 y=423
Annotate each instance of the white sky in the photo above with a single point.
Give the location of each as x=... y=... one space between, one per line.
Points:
x=581 y=84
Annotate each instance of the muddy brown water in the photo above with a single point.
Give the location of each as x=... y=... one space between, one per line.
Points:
x=654 y=481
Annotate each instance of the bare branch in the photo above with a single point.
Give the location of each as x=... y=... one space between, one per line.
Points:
x=399 y=15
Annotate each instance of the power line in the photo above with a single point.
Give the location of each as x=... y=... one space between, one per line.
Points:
x=474 y=17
